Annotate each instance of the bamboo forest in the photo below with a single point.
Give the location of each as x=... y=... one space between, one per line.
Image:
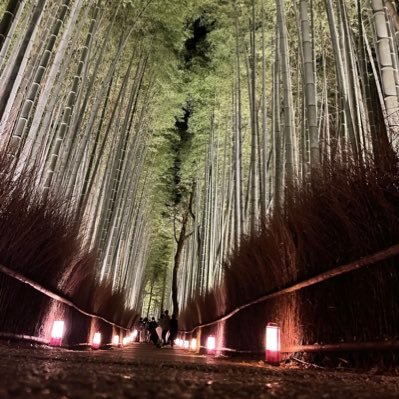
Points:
x=232 y=161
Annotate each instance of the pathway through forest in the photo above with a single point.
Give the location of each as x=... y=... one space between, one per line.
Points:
x=143 y=371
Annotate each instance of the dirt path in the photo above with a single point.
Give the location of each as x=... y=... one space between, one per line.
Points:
x=142 y=371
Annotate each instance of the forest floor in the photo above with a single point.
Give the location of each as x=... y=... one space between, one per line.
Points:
x=143 y=371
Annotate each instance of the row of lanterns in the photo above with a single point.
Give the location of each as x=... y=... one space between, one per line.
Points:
x=57 y=333
x=272 y=344
x=192 y=345
x=272 y=341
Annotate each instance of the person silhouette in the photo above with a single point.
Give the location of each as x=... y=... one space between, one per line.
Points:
x=152 y=328
x=165 y=326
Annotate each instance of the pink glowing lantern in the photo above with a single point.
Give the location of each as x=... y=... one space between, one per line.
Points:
x=186 y=344
x=115 y=340
x=125 y=340
x=134 y=334
x=193 y=345
x=211 y=345
x=57 y=333
x=273 y=350
x=96 y=340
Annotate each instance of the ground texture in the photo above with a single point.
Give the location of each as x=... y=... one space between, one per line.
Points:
x=143 y=371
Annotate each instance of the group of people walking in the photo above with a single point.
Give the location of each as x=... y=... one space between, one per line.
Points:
x=148 y=330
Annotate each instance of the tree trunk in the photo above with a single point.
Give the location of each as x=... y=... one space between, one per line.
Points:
x=387 y=71
x=180 y=243
x=253 y=211
x=19 y=132
x=289 y=130
x=310 y=88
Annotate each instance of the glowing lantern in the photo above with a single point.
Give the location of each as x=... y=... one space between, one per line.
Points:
x=134 y=334
x=115 y=340
x=193 y=345
x=96 y=340
x=125 y=341
x=211 y=345
x=57 y=333
x=273 y=343
x=185 y=344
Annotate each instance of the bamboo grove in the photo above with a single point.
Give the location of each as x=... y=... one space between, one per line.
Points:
x=289 y=86
x=171 y=154
x=82 y=83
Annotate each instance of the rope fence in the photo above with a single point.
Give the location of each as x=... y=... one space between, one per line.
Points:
x=352 y=266
x=17 y=276
x=385 y=254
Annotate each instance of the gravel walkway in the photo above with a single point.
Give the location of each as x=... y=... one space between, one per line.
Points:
x=143 y=371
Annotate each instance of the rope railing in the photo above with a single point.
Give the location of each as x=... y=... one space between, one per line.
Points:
x=352 y=266
x=25 y=280
x=24 y=337
x=349 y=267
x=344 y=346
x=388 y=344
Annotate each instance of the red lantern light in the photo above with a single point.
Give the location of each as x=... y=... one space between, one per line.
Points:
x=96 y=340
x=115 y=340
x=211 y=345
x=57 y=333
x=193 y=344
x=273 y=351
